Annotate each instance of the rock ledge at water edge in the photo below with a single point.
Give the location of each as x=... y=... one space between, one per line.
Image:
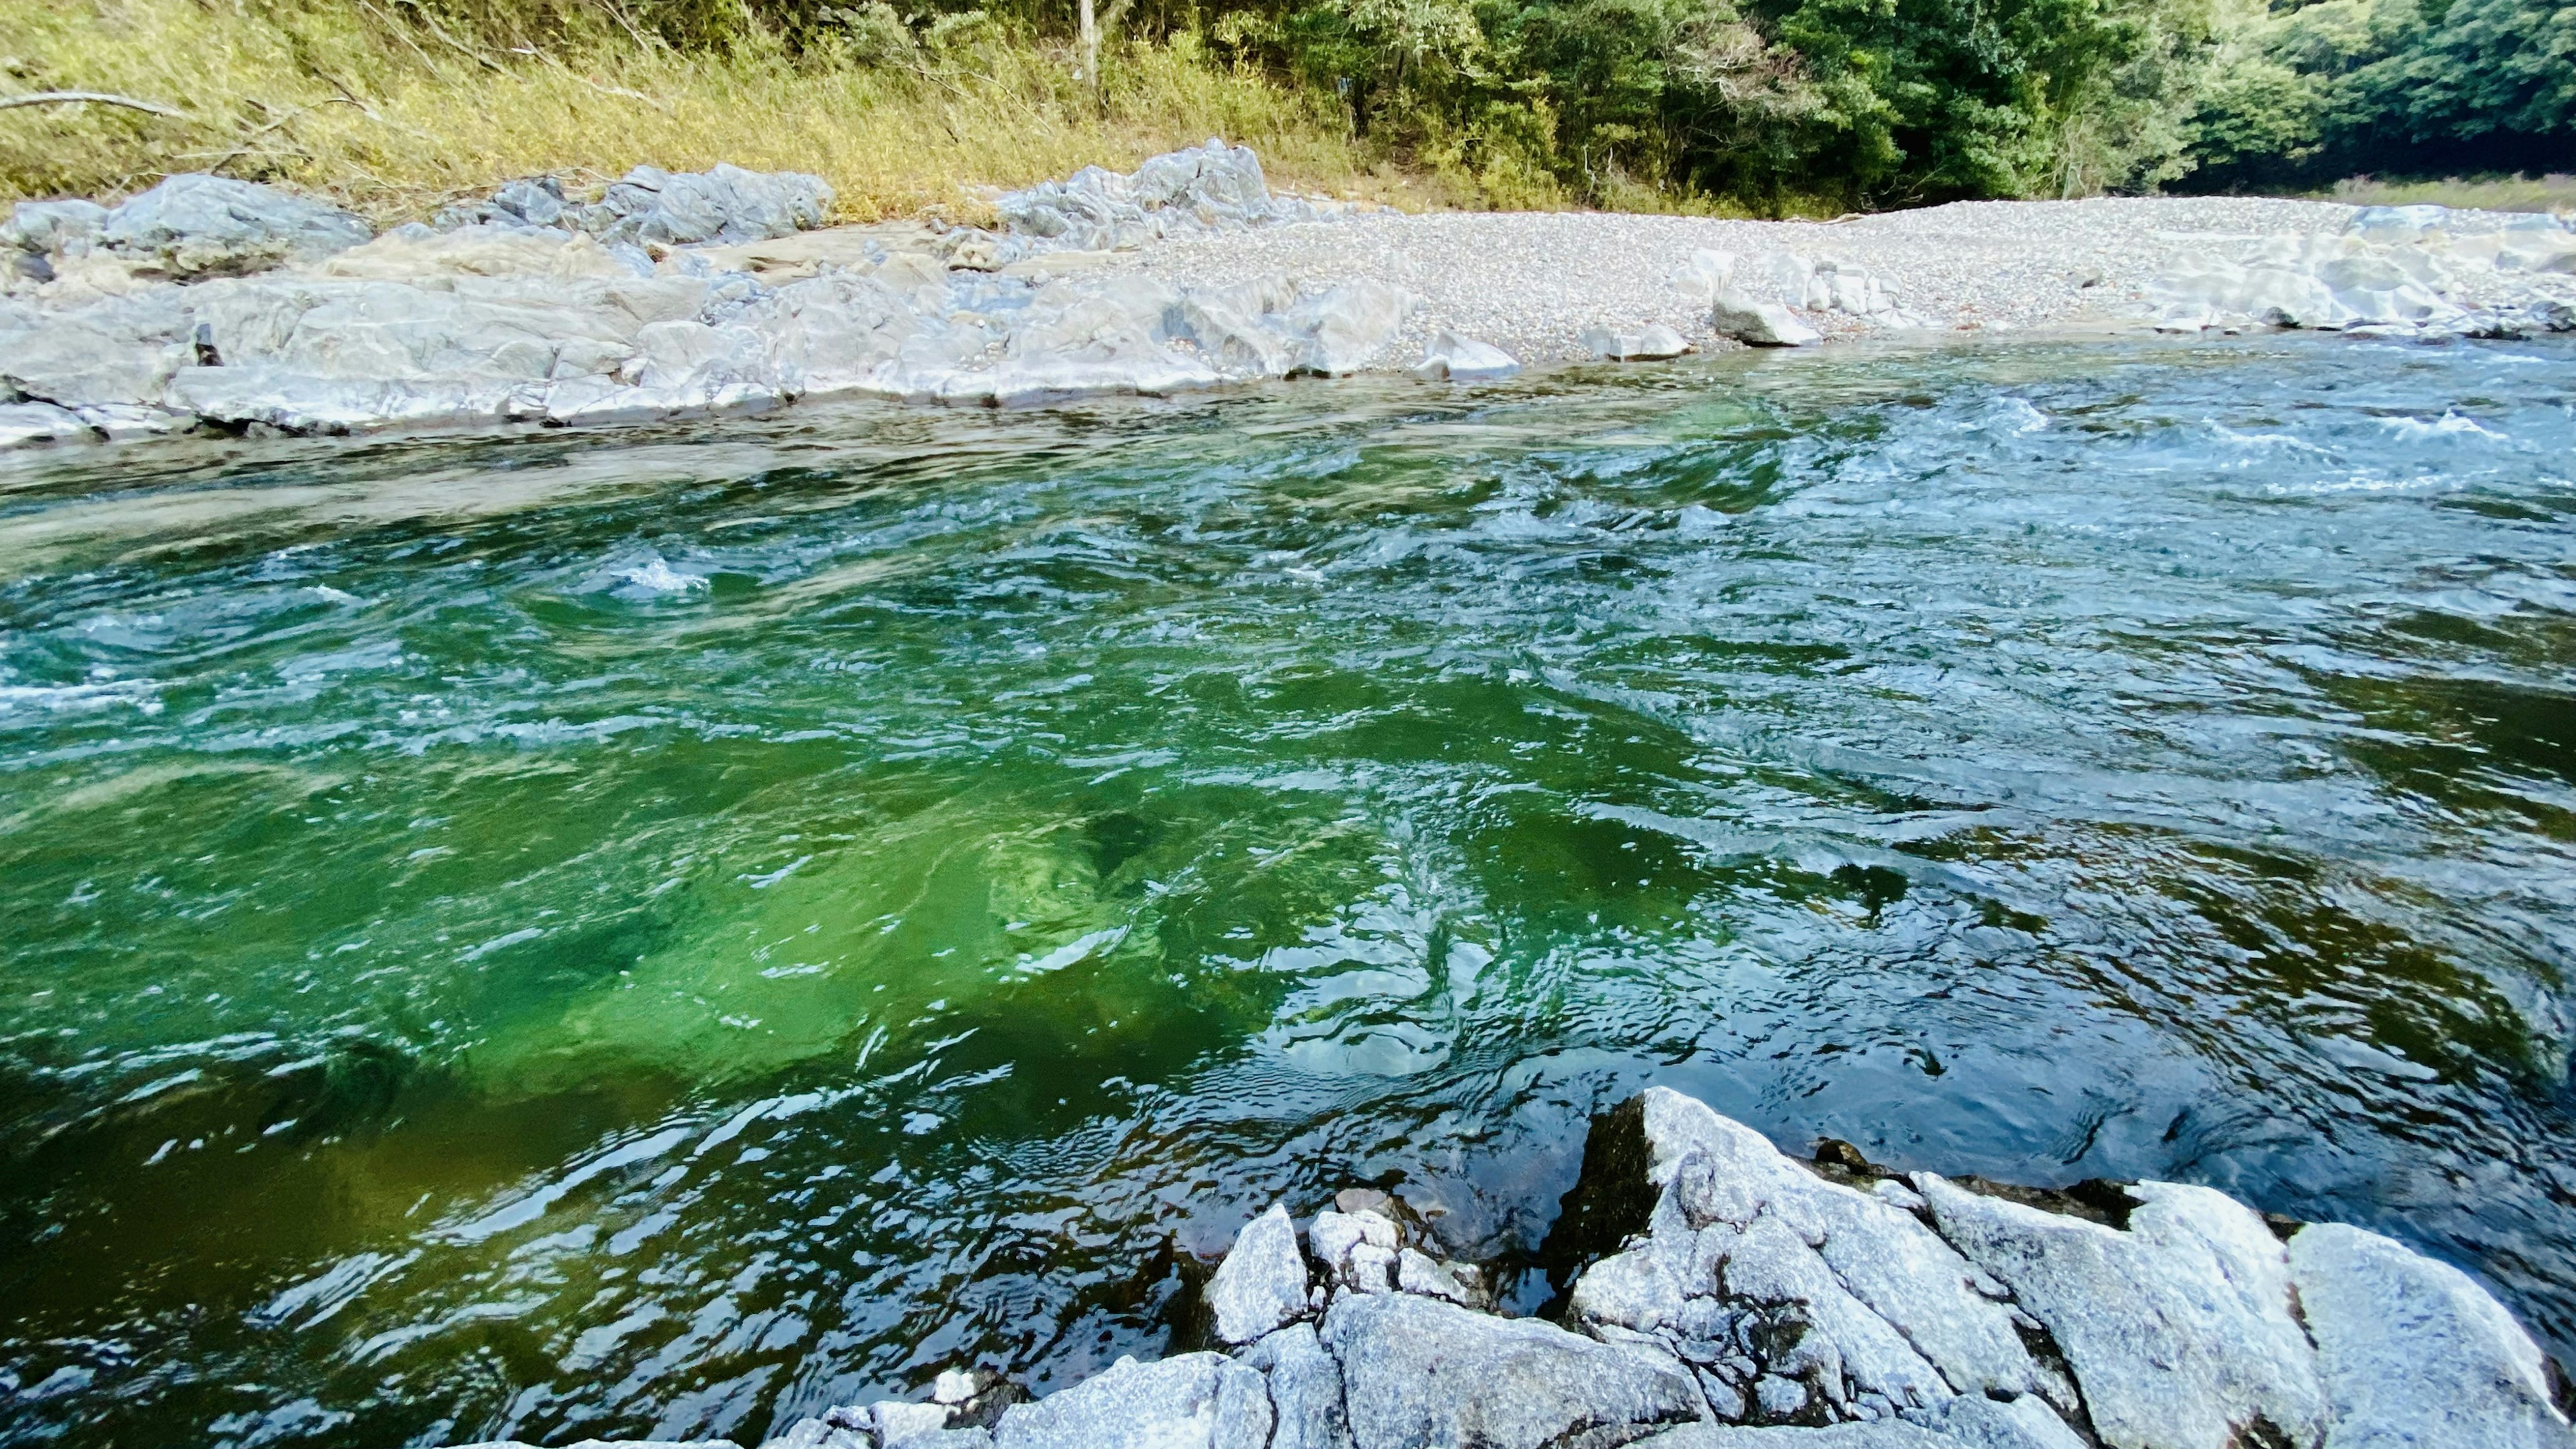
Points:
x=1754 y=1302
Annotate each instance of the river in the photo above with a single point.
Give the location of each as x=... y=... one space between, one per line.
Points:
x=554 y=934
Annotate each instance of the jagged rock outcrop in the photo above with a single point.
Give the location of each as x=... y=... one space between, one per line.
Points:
x=1207 y=188
x=2405 y=269
x=526 y=308
x=1764 y=1303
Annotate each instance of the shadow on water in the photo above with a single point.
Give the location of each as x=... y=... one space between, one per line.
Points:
x=550 y=936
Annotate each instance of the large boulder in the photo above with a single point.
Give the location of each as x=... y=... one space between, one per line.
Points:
x=1792 y=1297
x=1203 y=188
x=1650 y=343
x=1760 y=323
x=2413 y=1353
x=2180 y=1329
x=1193 y=1401
x=1345 y=329
x=1464 y=359
x=195 y=225
x=723 y=204
x=1419 y=1372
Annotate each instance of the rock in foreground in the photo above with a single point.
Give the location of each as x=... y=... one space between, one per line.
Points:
x=1759 y=1303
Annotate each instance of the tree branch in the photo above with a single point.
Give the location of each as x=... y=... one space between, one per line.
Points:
x=88 y=98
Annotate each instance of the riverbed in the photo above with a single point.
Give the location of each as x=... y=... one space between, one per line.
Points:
x=545 y=935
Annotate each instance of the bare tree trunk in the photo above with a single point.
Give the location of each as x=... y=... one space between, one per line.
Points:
x=1090 y=47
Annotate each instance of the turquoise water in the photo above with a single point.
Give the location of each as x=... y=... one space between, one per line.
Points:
x=658 y=932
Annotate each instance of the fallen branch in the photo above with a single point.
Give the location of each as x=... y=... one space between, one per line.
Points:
x=88 y=98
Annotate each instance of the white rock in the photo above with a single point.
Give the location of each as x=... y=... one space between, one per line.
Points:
x=34 y=422
x=1192 y=1401
x=2414 y=1354
x=1420 y=1273
x=898 y=1423
x=1261 y=1285
x=1706 y=274
x=1421 y=1372
x=1305 y=1389
x=1899 y=1305
x=1763 y=324
x=1345 y=328
x=1644 y=344
x=1463 y=359
x=2179 y=1330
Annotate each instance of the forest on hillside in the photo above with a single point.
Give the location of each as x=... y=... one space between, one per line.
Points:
x=1858 y=102
x=1763 y=106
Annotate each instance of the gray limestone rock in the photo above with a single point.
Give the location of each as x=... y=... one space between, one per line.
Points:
x=1262 y=1282
x=1642 y=344
x=48 y=226
x=1345 y=328
x=1421 y=1372
x=533 y=201
x=1423 y=1274
x=898 y=1423
x=1204 y=188
x=1745 y=1237
x=1305 y=1389
x=723 y=204
x=2414 y=1354
x=35 y=422
x=1760 y=323
x=196 y=225
x=2179 y=1329
x=1464 y=359
x=1357 y=1249
x=1192 y=1401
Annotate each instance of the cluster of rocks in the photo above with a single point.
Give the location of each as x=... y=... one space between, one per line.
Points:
x=1754 y=1301
x=1212 y=188
x=209 y=303
x=2391 y=270
x=158 y=317
x=653 y=207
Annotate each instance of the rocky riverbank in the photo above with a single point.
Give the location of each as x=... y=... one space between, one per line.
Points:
x=1731 y=1297
x=207 y=304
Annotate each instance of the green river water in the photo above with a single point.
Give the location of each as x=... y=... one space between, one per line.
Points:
x=552 y=935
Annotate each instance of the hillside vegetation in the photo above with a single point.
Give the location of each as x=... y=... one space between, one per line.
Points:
x=1761 y=106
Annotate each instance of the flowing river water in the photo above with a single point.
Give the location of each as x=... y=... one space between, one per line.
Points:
x=565 y=934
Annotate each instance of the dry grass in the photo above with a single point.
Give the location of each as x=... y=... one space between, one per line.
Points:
x=393 y=115
x=2490 y=193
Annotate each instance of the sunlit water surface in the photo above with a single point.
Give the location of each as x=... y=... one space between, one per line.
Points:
x=656 y=933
